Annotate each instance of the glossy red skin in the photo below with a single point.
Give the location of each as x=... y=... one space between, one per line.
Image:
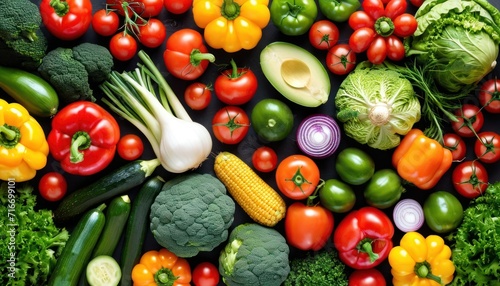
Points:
x=308 y=172
x=198 y=95
x=487 y=147
x=152 y=8
x=70 y=26
x=308 y=227
x=264 y=159
x=366 y=223
x=367 y=277
x=105 y=23
x=236 y=90
x=456 y=145
x=177 y=55
x=130 y=147
x=489 y=95
x=471 y=112
x=470 y=179
x=53 y=186
x=205 y=274
x=152 y=34
x=229 y=116
x=123 y=47
x=323 y=34
x=100 y=125
x=177 y=6
x=341 y=59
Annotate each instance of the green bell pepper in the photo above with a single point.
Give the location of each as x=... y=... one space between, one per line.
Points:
x=293 y=17
x=338 y=10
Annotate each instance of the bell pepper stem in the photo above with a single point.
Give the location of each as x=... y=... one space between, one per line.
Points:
x=80 y=141
x=196 y=57
x=164 y=276
x=366 y=246
x=7 y=133
x=60 y=7
x=230 y=10
x=423 y=270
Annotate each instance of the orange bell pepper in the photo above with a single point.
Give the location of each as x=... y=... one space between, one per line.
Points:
x=421 y=160
x=420 y=261
x=161 y=268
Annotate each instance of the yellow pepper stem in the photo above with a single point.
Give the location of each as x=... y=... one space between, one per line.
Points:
x=423 y=270
x=365 y=245
x=165 y=277
x=80 y=141
x=9 y=136
x=230 y=10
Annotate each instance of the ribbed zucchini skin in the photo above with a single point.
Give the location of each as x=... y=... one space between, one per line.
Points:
x=137 y=226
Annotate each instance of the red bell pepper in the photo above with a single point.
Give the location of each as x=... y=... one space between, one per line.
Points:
x=66 y=19
x=83 y=138
x=364 y=238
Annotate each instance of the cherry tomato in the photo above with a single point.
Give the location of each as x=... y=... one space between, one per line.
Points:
x=198 y=95
x=177 y=6
x=53 y=186
x=489 y=95
x=68 y=26
x=152 y=8
x=123 y=46
x=417 y=3
x=367 y=277
x=264 y=159
x=340 y=59
x=105 y=23
x=456 y=145
x=470 y=179
x=405 y=25
x=487 y=147
x=130 y=147
x=297 y=176
x=308 y=227
x=206 y=274
x=361 y=39
x=144 y=8
x=230 y=124
x=360 y=19
x=395 y=48
x=377 y=51
x=323 y=34
x=470 y=120
x=153 y=33
x=235 y=86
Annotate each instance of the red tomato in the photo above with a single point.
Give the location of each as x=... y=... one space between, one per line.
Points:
x=374 y=8
x=323 y=34
x=130 y=147
x=264 y=159
x=341 y=59
x=361 y=39
x=489 y=95
x=105 y=23
x=367 y=277
x=405 y=25
x=395 y=8
x=52 y=186
x=70 y=25
x=151 y=8
x=377 y=51
x=470 y=179
x=308 y=227
x=205 y=274
x=235 y=86
x=470 y=120
x=360 y=19
x=456 y=145
x=123 y=46
x=395 y=48
x=177 y=6
x=487 y=147
x=198 y=95
x=153 y=33
x=144 y=8
x=417 y=3
x=230 y=124
x=297 y=176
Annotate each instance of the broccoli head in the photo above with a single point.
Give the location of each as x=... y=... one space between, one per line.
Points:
x=20 y=19
x=66 y=75
x=192 y=213
x=97 y=60
x=23 y=53
x=254 y=255
x=322 y=268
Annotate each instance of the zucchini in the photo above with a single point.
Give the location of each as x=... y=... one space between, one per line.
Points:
x=113 y=184
x=78 y=249
x=116 y=217
x=136 y=228
x=29 y=90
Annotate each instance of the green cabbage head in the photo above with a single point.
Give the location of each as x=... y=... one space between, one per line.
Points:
x=377 y=105
x=458 y=38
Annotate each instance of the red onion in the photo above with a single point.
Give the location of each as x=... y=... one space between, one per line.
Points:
x=318 y=136
x=408 y=215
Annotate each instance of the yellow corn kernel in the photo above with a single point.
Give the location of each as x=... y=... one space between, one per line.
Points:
x=259 y=200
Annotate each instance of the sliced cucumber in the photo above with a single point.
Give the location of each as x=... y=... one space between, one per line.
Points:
x=103 y=270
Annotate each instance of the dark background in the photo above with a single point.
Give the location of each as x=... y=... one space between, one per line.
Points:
x=249 y=58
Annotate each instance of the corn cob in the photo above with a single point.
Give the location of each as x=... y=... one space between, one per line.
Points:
x=259 y=200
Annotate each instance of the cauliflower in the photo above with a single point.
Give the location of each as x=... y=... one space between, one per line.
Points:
x=254 y=255
x=192 y=213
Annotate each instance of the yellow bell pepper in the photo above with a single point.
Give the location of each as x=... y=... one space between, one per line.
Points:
x=23 y=145
x=231 y=25
x=420 y=261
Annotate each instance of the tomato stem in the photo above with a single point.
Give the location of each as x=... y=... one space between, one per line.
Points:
x=384 y=26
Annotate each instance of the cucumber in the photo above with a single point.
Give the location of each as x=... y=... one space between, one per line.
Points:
x=137 y=226
x=103 y=270
x=78 y=249
x=116 y=217
x=29 y=90
x=113 y=184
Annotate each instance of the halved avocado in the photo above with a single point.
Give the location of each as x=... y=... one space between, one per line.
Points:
x=296 y=73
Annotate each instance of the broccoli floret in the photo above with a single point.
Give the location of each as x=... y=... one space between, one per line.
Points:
x=97 y=60
x=20 y=19
x=192 y=213
x=22 y=53
x=66 y=75
x=254 y=255
x=322 y=268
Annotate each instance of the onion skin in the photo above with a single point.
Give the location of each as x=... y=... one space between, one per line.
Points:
x=408 y=215
x=318 y=136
